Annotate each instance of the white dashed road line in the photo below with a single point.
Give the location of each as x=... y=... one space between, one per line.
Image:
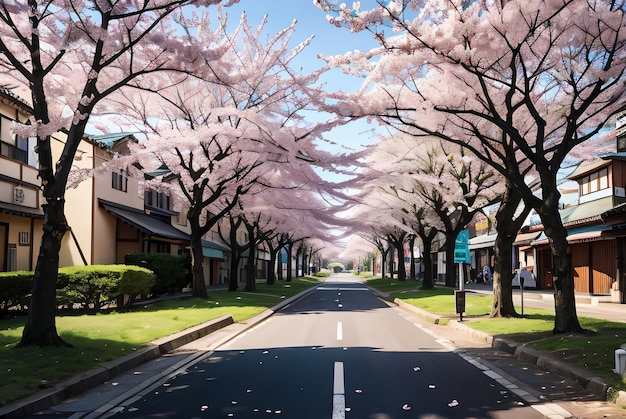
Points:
x=339 y=397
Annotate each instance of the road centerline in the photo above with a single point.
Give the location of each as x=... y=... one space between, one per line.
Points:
x=339 y=398
x=339 y=331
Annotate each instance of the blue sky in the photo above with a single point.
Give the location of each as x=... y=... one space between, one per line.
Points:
x=329 y=40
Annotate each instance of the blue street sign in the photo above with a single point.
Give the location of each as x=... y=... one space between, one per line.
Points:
x=461 y=247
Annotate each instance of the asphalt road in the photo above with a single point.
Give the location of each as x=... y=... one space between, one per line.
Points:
x=339 y=352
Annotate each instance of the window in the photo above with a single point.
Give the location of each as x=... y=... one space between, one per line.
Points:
x=156 y=199
x=604 y=178
x=595 y=182
x=12 y=146
x=119 y=181
x=24 y=238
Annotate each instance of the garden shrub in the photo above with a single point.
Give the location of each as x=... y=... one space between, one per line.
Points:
x=172 y=272
x=96 y=285
x=83 y=286
x=15 y=288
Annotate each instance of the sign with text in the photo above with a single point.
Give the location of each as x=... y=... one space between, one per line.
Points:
x=461 y=247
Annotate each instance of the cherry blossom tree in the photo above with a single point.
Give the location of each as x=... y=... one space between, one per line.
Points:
x=360 y=247
x=285 y=208
x=231 y=131
x=380 y=220
x=436 y=180
x=72 y=56
x=370 y=234
x=518 y=83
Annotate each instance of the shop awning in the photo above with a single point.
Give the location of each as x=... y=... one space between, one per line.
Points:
x=214 y=250
x=541 y=240
x=574 y=236
x=587 y=234
x=583 y=237
x=525 y=238
x=145 y=223
x=21 y=210
x=587 y=212
x=482 y=242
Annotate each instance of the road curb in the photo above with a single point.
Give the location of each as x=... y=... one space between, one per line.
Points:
x=89 y=379
x=594 y=384
x=521 y=351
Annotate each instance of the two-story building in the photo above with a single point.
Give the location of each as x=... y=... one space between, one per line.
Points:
x=21 y=216
x=109 y=214
x=596 y=230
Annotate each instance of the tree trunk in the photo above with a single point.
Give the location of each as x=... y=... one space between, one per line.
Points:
x=401 y=267
x=306 y=264
x=412 y=257
x=280 y=264
x=391 y=254
x=251 y=270
x=271 y=273
x=428 y=282
x=507 y=226
x=502 y=305
x=289 y=261
x=40 y=328
x=233 y=280
x=566 y=319
x=383 y=262
x=451 y=272
x=197 y=266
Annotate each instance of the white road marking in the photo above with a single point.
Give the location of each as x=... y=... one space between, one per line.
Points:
x=339 y=331
x=339 y=397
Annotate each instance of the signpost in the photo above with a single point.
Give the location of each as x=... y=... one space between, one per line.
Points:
x=461 y=256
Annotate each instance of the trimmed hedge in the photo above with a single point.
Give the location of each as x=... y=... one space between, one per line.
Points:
x=322 y=274
x=172 y=272
x=83 y=286
x=15 y=290
x=97 y=285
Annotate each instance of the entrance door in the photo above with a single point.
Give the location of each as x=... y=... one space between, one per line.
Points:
x=4 y=246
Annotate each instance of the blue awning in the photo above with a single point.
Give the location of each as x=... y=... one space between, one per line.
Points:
x=213 y=250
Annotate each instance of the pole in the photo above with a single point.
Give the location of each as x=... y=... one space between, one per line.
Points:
x=521 y=286
x=462 y=293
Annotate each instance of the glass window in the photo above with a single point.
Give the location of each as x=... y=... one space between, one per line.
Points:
x=584 y=187
x=604 y=178
x=593 y=182
x=5 y=131
x=119 y=181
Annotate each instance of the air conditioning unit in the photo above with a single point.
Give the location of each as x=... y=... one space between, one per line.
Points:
x=621 y=192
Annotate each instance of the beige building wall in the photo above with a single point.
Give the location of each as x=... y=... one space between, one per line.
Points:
x=76 y=244
x=113 y=239
x=20 y=232
x=26 y=247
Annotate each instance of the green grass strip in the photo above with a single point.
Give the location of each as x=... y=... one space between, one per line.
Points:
x=105 y=336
